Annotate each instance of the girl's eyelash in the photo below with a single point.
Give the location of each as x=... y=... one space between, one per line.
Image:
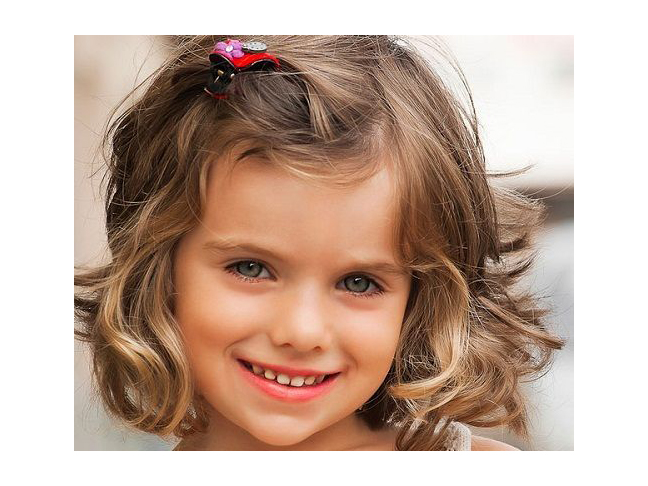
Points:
x=231 y=268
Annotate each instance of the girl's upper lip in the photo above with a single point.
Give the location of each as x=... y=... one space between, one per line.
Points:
x=288 y=370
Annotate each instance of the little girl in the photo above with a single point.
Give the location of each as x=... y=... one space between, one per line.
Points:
x=306 y=254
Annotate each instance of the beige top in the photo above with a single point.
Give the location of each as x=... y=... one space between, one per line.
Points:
x=459 y=437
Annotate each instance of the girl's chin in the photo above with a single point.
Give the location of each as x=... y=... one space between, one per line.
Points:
x=282 y=436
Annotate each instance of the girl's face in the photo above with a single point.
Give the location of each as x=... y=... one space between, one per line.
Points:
x=298 y=280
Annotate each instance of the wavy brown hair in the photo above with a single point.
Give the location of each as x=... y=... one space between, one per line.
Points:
x=337 y=106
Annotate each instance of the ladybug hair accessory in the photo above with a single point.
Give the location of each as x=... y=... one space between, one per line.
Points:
x=232 y=57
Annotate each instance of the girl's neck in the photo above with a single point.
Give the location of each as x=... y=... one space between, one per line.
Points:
x=350 y=433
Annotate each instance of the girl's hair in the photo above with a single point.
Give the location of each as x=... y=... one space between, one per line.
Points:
x=339 y=108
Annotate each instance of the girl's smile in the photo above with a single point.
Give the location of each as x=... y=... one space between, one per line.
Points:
x=285 y=384
x=290 y=301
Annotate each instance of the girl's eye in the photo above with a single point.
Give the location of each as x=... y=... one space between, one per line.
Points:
x=251 y=270
x=248 y=270
x=358 y=285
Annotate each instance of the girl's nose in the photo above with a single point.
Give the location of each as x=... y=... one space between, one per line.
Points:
x=303 y=320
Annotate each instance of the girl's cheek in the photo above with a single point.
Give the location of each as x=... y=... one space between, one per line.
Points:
x=218 y=314
x=372 y=338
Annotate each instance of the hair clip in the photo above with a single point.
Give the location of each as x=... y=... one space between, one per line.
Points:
x=232 y=57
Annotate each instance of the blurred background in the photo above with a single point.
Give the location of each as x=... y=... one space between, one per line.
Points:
x=523 y=93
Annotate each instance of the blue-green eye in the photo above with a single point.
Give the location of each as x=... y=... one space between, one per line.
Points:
x=357 y=283
x=248 y=270
x=251 y=271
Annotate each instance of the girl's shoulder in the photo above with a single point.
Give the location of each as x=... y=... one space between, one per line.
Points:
x=485 y=444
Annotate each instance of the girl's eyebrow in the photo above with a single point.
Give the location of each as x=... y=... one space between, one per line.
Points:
x=224 y=245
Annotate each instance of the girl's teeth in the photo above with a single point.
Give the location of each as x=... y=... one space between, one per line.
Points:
x=297 y=381
x=285 y=379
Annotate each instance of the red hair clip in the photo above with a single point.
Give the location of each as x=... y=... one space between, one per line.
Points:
x=232 y=57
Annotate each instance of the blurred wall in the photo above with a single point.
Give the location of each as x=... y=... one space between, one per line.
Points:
x=523 y=93
x=523 y=89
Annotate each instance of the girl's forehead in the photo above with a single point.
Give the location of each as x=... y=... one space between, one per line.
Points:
x=259 y=199
x=254 y=179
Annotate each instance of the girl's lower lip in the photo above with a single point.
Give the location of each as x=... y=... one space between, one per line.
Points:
x=286 y=392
